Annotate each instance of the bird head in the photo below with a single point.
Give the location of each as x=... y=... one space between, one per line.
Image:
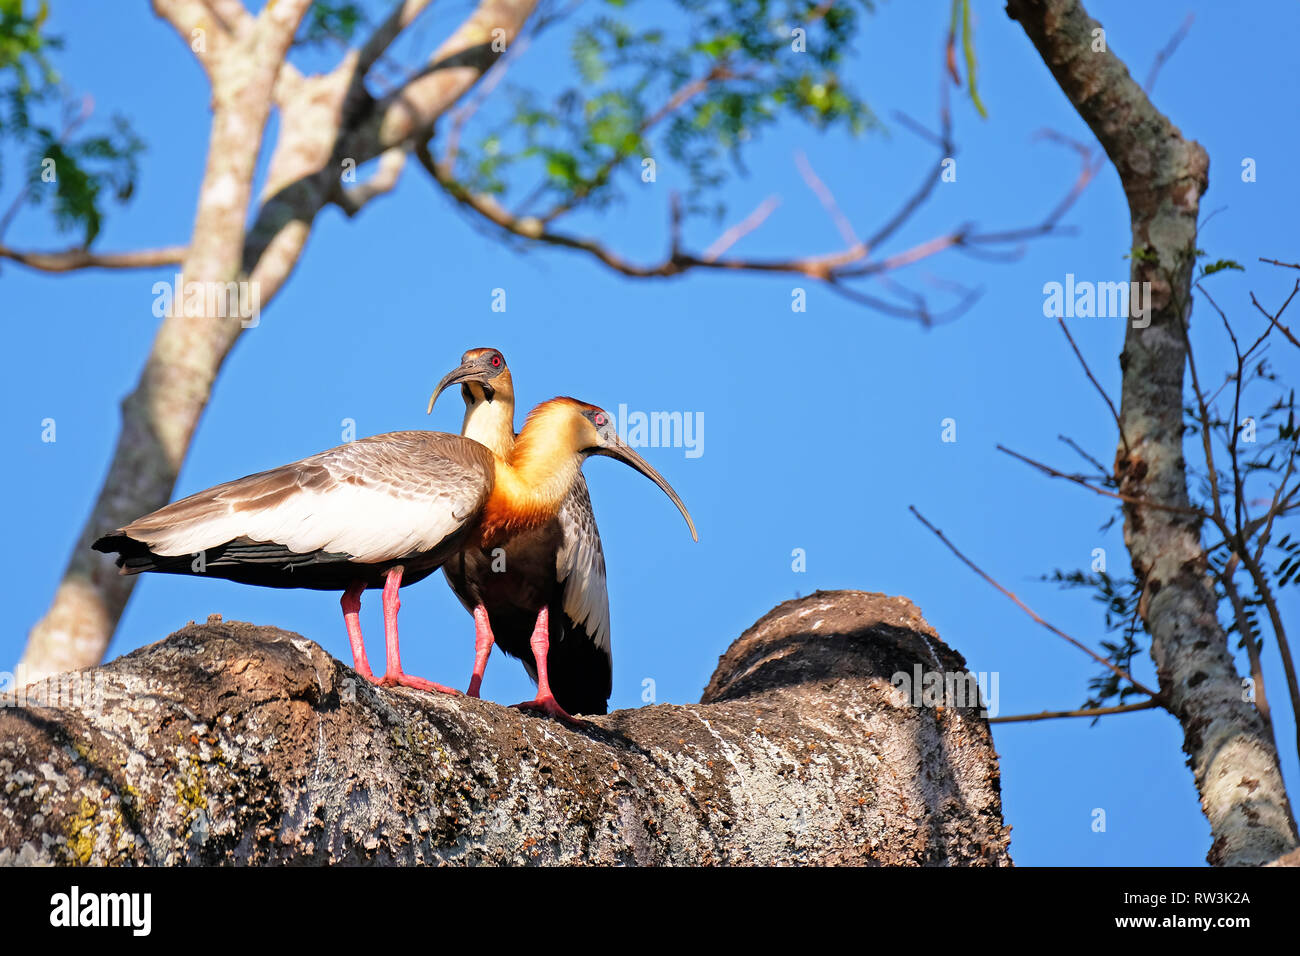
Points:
x=585 y=430
x=482 y=376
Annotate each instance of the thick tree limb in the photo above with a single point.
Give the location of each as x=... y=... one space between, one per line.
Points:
x=1233 y=760
x=229 y=743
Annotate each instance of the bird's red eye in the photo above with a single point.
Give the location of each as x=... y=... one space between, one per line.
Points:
x=600 y=418
x=496 y=361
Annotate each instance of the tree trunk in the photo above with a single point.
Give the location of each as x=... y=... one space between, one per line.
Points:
x=1229 y=749
x=159 y=418
x=244 y=57
x=230 y=743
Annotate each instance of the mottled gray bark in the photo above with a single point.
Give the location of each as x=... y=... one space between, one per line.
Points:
x=1229 y=749
x=229 y=743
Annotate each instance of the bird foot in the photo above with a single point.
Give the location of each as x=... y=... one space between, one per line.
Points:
x=419 y=683
x=546 y=704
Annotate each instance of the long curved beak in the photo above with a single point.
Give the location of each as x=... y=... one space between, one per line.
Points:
x=469 y=372
x=622 y=451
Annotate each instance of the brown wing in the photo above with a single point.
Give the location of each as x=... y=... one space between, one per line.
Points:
x=376 y=499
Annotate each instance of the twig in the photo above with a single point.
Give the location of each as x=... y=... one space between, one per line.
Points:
x=70 y=126
x=827 y=199
x=741 y=229
x=1248 y=638
x=1118 y=671
x=1097 y=385
x=69 y=260
x=1127 y=499
x=832 y=268
x=1273 y=319
x=495 y=74
x=1236 y=540
x=1089 y=712
x=679 y=98
x=1101 y=469
x=1166 y=52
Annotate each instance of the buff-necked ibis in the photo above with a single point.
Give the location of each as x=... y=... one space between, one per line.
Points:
x=384 y=511
x=540 y=594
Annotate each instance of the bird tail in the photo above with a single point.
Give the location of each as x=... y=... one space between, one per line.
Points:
x=580 y=671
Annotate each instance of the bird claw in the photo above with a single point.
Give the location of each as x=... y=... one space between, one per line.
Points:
x=547 y=705
x=419 y=683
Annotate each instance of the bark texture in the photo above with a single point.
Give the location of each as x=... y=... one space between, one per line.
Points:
x=1229 y=749
x=325 y=120
x=231 y=743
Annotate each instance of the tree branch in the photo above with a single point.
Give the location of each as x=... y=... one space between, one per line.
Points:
x=69 y=260
x=1117 y=671
x=1087 y=712
x=256 y=747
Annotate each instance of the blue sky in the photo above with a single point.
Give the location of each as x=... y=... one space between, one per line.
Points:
x=819 y=428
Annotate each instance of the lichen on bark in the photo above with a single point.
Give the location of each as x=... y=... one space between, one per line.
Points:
x=230 y=743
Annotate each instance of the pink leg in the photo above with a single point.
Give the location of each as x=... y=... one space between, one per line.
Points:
x=393 y=675
x=482 y=648
x=545 y=701
x=351 y=608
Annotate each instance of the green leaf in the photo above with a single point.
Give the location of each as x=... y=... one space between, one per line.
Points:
x=968 y=49
x=1220 y=265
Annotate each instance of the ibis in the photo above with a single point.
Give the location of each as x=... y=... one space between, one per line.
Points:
x=380 y=512
x=541 y=594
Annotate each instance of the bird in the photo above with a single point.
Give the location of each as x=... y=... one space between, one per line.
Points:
x=558 y=566
x=384 y=511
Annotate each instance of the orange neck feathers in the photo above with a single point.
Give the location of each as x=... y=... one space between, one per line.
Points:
x=536 y=476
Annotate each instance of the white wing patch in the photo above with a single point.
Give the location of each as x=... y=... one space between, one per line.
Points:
x=580 y=565
x=363 y=504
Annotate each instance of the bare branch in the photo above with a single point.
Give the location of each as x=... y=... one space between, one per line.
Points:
x=1127 y=499
x=1265 y=591
x=1101 y=469
x=741 y=229
x=1088 y=712
x=1273 y=317
x=1249 y=639
x=407 y=115
x=404 y=13
x=69 y=260
x=827 y=199
x=1166 y=52
x=1118 y=671
x=1114 y=412
x=679 y=98
x=491 y=79
x=352 y=199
